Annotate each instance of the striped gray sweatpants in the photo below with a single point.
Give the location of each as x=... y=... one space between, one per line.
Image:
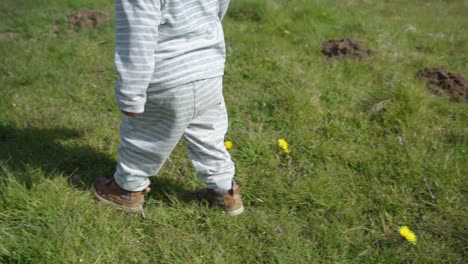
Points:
x=194 y=111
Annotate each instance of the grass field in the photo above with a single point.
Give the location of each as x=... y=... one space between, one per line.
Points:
x=371 y=148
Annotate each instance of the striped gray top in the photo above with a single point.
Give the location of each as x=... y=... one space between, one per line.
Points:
x=167 y=43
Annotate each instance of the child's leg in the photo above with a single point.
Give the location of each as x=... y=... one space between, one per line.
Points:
x=148 y=138
x=205 y=136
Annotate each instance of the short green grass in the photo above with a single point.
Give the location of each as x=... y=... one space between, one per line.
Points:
x=371 y=148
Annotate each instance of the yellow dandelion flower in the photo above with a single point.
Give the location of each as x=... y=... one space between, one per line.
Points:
x=284 y=145
x=408 y=234
x=286 y=32
x=228 y=144
x=116 y=157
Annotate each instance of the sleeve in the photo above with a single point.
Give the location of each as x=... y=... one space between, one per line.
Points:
x=137 y=23
x=223 y=6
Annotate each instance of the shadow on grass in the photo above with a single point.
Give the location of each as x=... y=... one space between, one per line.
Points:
x=29 y=154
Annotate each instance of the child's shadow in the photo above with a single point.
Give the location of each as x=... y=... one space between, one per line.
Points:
x=28 y=152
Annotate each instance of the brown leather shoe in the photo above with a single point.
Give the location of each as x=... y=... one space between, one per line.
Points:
x=107 y=191
x=229 y=200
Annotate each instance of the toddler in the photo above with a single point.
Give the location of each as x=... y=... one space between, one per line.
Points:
x=170 y=56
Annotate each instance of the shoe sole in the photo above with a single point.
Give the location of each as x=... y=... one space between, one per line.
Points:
x=119 y=206
x=235 y=212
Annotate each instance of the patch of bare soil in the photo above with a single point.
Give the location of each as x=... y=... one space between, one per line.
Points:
x=446 y=84
x=85 y=19
x=345 y=48
x=8 y=36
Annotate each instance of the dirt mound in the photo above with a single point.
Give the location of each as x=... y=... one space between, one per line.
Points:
x=345 y=48
x=86 y=19
x=444 y=83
